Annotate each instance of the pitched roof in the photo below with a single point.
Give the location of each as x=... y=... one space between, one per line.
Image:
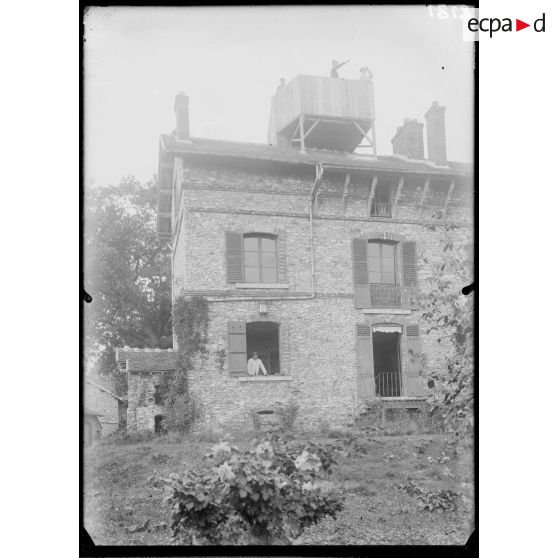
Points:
x=147 y=360
x=343 y=160
x=103 y=385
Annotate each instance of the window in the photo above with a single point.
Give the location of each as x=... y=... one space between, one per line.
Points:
x=388 y=360
x=384 y=272
x=260 y=259
x=256 y=260
x=263 y=338
x=381 y=263
x=381 y=206
x=266 y=338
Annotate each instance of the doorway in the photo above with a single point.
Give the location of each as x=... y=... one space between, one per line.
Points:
x=387 y=363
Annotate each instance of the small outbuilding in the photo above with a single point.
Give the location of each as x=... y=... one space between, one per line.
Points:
x=102 y=402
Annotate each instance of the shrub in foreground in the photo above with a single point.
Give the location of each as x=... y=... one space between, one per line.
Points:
x=248 y=498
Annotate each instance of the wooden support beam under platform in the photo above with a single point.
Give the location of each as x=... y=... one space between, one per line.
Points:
x=372 y=194
x=345 y=192
x=365 y=134
x=425 y=190
x=448 y=198
x=397 y=196
x=314 y=124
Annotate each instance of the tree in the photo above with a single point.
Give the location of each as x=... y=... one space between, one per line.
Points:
x=127 y=274
x=448 y=315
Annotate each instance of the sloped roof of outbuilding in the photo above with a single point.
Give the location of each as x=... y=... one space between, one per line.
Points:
x=343 y=160
x=147 y=360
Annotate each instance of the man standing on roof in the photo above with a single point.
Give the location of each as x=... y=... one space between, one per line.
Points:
x=365 y=74
x=335 y=66
x=281 y=85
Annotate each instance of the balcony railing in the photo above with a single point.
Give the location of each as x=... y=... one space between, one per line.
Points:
x=385 y=296
x=388 y=384
x=380 y=209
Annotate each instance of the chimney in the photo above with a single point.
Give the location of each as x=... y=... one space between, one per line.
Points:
x=408 y=139
x=436 y=133
x=182 y=131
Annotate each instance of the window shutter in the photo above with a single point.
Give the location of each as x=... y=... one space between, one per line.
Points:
x=409 y=264
x=409 y=255
x=282 y=258
x=233 y=254
x=238 y=363
x=360 y=273
x=365 y=361
x=284 y=349
x=414 y=381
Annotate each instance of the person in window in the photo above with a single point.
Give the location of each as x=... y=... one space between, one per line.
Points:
x=255 y=365
x=335 y=66
x=365 y=74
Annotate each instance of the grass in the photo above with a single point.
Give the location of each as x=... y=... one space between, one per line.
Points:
x=119 y=499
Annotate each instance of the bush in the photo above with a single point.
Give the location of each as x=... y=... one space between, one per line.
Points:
x=254 y=497
x=287 y=413
x=182 y=413
x=441 y=500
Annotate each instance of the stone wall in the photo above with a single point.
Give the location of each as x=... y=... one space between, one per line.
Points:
x=141 y=401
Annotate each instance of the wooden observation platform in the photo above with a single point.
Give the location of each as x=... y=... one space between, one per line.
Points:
x=323 y=113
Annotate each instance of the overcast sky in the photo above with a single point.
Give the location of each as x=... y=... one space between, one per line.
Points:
x=229 y=61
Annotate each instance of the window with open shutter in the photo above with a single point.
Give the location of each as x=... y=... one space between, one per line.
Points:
x=237 y=348
x=365 y=361
x=360 y=273
x=233 y=251
x=414 y=382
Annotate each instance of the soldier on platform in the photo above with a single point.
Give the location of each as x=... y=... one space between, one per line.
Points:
x=335 y=66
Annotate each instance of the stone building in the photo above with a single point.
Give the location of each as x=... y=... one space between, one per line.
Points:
x=311 y=250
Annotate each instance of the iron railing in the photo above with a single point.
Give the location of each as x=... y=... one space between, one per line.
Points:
x=385 y=296
x=380 y=209
x=388 y=384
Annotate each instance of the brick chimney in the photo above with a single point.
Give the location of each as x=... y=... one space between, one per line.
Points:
x=182 y=131
x=436 y=133
x=408 y=139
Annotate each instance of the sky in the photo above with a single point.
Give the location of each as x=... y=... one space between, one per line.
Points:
x=228 y=60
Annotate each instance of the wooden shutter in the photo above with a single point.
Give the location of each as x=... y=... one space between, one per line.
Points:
x=409 y=265
x=414 y=381
x=360 y=273
x=238 y=363
x=233 y=255
x=284 y=349
x=282 y=258
x=409 y=257
x=365 y=361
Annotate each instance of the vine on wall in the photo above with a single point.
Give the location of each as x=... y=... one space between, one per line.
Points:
x=191 y=321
